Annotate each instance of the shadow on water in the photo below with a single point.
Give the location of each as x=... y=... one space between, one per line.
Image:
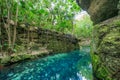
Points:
x=75 y=65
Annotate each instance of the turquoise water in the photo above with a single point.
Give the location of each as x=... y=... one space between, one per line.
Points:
x=75 y=65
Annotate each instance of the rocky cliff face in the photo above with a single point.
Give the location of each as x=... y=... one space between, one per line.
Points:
x=100 y=10
x=55 y=42
x=106 y=35
x=106 y=56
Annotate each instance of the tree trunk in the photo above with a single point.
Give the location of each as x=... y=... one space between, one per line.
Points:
x=28 y=48
x=1 y=29
x=8 y=30
x=15 y=26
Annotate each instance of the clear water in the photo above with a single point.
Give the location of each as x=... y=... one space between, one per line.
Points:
x=75 y=65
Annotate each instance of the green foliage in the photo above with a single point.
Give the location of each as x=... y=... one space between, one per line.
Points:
x=55 y=15
x=103 y=73
x=5 y=60
x=83 y=28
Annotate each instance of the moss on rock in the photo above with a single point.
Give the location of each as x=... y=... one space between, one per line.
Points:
x=106 y=57
x=5 y=60
x=17 y=58
x=20 y=58
x=103 y=73
x=52 y=40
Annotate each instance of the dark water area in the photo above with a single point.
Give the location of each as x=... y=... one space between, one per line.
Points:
x=75 y=65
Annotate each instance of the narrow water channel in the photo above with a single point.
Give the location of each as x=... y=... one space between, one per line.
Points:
x=75 y=65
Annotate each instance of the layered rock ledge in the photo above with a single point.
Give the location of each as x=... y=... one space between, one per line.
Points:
x=40 y=43
x=106 y=34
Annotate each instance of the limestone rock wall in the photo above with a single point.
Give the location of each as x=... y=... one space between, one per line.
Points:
x=100 y=10
x=106 y=37
x=106 y=56
x=53 y=41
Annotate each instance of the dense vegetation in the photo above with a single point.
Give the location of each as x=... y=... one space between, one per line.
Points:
x=83 y=26
x=57 y=15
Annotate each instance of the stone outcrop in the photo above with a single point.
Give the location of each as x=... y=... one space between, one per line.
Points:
x=100 y=10
x=9 y=60
x=106 y=55
x=40 y=42
x=106 y=35
x=54 y=41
